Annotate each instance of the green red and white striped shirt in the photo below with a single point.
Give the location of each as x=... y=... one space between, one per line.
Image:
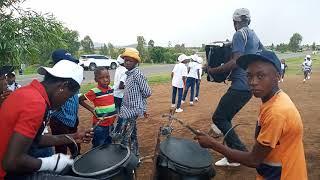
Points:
x=103 y=101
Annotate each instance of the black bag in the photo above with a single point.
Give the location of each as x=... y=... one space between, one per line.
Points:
x=218 y=54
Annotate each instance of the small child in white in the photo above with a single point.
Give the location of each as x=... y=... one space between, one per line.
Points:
x=11 y=80
x=178 y=76
x=307 y=67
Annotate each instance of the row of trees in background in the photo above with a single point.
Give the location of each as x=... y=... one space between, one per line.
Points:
x=294 y=45
x=29 y=37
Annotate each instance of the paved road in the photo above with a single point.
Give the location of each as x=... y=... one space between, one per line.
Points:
x=147 y=70
x=89 y=77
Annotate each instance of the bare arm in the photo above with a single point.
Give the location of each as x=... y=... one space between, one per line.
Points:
x=172 y=75
x=121 y=85
x=82 y=102
x=16 y=160
x=231 y=64
x=251 y=159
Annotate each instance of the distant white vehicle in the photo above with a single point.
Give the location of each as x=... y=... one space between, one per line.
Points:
x=92 y=61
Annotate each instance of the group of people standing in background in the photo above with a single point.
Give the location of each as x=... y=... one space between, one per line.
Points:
x=186 y=75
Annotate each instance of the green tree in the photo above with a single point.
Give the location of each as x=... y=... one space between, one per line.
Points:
x=112 y=51
x=104 y=50
x=295 y=42
x=151 y=43
x=87 y=44
x=140 y=47
x=272 y=47
x=282 y=47
x=314 y=47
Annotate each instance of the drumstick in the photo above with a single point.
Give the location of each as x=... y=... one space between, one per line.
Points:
x=100 y=121
x=182 y=123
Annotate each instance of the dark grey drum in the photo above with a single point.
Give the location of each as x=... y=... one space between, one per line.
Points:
x=108 y=162
x=183 y=159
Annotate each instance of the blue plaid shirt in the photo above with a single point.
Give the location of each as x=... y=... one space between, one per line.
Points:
x=136 y=92
x=68 y=113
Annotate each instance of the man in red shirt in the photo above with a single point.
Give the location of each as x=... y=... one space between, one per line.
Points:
x=24 y=115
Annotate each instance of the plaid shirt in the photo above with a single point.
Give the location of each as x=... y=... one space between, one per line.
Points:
x=136 y=92
x=68 y=114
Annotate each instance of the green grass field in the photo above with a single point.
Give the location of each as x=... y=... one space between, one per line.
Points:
x=153 y=79
x=294 y=65
x=294 y=68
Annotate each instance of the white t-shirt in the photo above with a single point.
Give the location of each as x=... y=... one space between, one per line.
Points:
x=14 y=86
x=179 y=71
x=194 y=66
x=120 y=75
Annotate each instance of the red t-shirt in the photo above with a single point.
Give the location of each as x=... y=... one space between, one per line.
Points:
x=22 y=112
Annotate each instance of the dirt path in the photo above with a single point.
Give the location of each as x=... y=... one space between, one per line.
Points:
x=304 y=95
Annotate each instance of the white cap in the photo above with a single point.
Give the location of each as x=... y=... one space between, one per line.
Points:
x=308 y=56
x=182 y=57
x=200 y=60
x=239 y=13
x=120 y=60
x=64 y=69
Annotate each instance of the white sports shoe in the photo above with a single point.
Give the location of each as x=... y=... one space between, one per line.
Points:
x=308 y=77
x=196 y=99
x=224 y=162
x=191 y=103
x=304 y=80
x=281 y=80
x=179 y=110
x=173 y=105
x=182 y=102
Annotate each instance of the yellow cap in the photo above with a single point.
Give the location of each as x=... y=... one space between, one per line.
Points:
x=131 y=52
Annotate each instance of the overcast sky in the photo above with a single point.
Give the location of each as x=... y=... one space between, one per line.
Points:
x=192 y=22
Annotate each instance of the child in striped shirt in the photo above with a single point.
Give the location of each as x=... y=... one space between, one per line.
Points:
x=103 y=101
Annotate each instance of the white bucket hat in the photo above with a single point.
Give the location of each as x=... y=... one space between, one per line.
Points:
x=120 y=60
x=182 y=57
x=64 y=69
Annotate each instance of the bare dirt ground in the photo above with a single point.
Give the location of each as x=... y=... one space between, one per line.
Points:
x=304 y=95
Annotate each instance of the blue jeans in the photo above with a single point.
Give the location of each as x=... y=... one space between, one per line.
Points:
x=130 y=136
x=174 y=93
x=102 y=135
x=190 y=83
x=197 y=87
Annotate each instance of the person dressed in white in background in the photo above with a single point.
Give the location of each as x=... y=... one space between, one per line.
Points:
x=198 y=79
x=178 y=76
x=193 y=74
x=119 y=83
x=307 y=67
x=11 y=80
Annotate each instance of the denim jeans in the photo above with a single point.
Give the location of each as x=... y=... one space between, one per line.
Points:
x=41 y=152
x=230 y=104
x=174 y=93
x=130 y=136
x=197 y=87
x=102 y=135
x=117 y=103
x=190 y=83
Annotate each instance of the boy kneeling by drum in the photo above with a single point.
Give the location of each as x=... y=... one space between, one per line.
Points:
x=278 y=152
x=24 y=116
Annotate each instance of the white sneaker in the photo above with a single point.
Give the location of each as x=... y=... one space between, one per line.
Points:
x=308 y=77
x=179 y=110
x=304 y=80
x=191 y=103
x=224 y=162
x=173 y=105
x=281 y=80
x=182 y=102
x=196 y=99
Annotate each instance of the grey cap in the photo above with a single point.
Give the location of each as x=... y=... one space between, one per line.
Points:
x=241 y=13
